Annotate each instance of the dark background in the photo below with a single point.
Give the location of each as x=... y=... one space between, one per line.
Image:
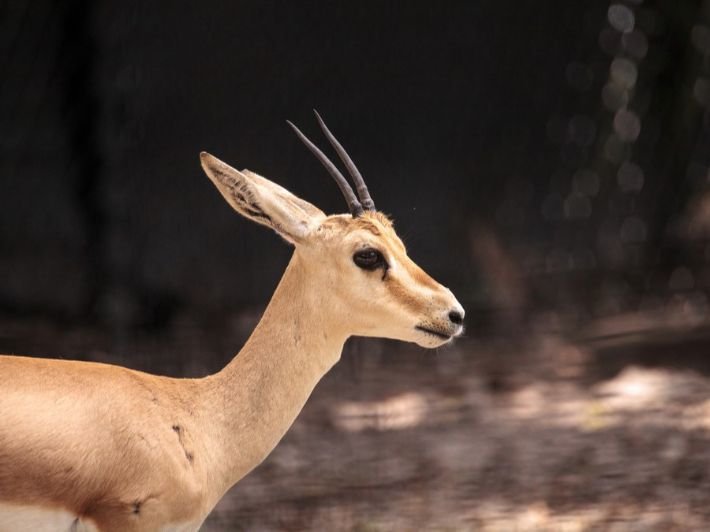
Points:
x=468 y=119
x=106 y=106
x=548 y=161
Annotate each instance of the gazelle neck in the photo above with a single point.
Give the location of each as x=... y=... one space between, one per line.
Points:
x=254 y=400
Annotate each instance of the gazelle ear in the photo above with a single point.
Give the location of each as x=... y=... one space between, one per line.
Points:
x=263 y=201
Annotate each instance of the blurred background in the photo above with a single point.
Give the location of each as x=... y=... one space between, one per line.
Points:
x=548 y=161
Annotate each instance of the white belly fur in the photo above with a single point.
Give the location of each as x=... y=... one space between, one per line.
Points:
x=14 y=518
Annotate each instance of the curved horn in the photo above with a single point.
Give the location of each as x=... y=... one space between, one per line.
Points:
x=360 y=185
x=353 y=204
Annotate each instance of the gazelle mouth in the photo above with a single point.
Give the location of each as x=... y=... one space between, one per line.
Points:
x=433 y=332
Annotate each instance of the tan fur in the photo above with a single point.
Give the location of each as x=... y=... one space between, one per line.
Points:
x=122 y=450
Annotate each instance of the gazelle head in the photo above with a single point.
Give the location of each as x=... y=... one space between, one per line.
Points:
x=356 y=260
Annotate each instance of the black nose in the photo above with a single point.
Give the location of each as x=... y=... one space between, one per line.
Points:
x=456 y=317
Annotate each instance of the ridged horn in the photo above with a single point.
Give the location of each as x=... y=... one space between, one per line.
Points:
x=353 y=203
x=360 y=185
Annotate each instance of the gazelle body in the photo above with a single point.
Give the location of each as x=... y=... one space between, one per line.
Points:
x=88 y=446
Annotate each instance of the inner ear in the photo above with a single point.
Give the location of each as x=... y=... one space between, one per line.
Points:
x=262 y=200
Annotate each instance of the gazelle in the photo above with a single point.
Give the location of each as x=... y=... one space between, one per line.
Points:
x=89 y=446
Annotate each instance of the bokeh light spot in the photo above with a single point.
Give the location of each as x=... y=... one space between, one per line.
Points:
x=700 y=37
x=630 y=177
x=614 y=96
x=635 y=44
x=623 y=72
x=621 y=18
x=577 y=207
x=627 y=125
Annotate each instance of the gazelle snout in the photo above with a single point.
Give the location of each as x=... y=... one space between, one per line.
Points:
x=443 y=324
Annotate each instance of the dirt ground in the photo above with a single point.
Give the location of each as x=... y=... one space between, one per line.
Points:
x=604 y=429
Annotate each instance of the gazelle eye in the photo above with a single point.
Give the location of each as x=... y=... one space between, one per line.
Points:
x=369 y=259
